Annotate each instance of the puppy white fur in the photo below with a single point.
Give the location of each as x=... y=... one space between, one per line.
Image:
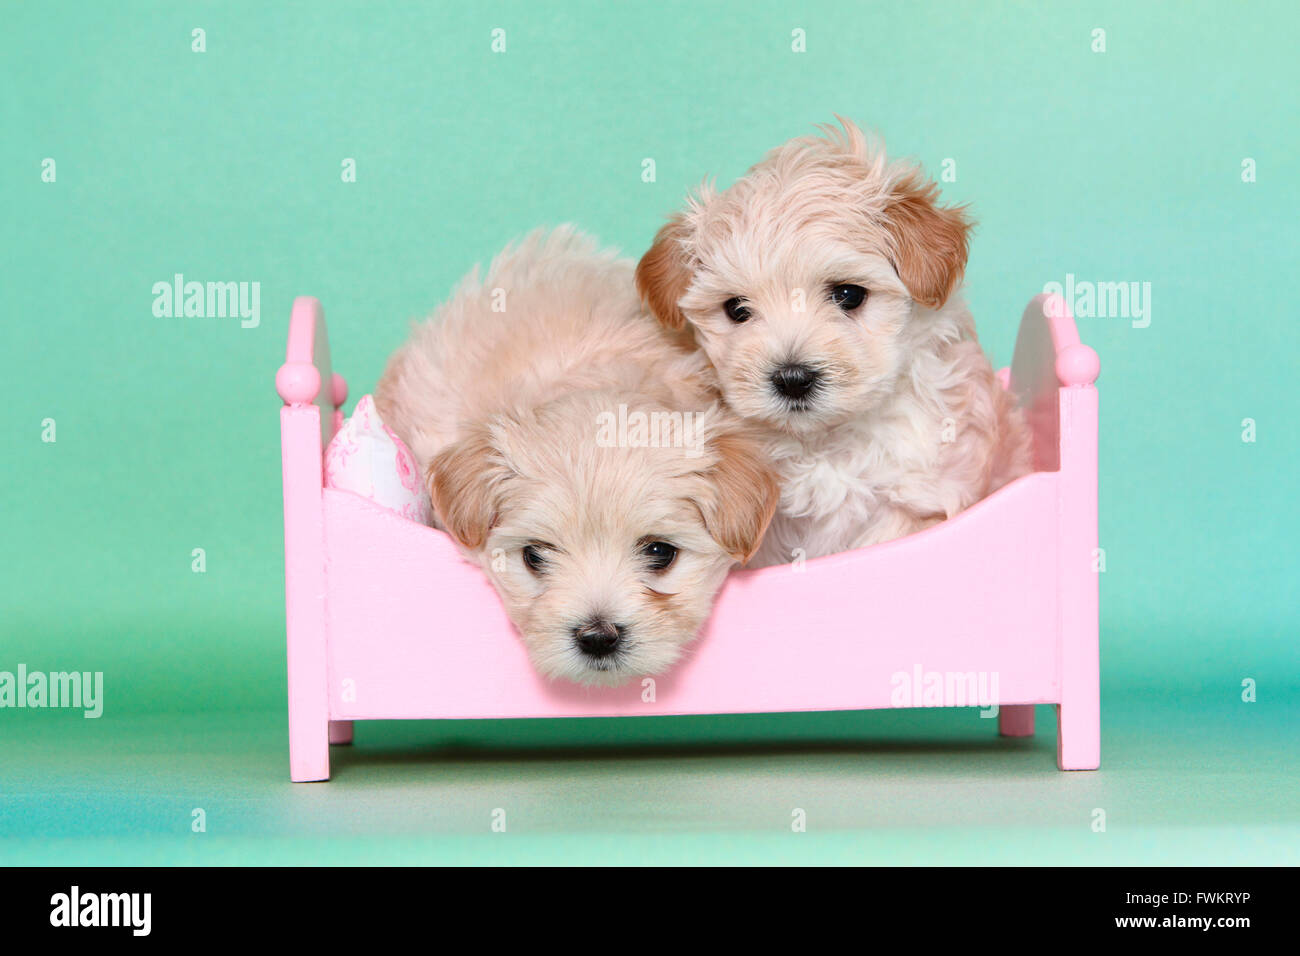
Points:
x=883 y=417
x=607 y=553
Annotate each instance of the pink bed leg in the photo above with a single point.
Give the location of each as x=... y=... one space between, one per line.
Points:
x=304 y=572
x=340 y=731
x=1016 y=720
x=1078 y=735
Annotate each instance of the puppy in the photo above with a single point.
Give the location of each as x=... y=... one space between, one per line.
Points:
x=823 y=288
x=579 y=455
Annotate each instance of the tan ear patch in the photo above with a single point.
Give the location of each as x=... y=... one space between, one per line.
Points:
x=930 y=241
x=744 y=495
x=462 y=480
x=664 y=274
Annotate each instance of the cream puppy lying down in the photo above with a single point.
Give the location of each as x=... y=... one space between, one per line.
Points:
x=575 y=451
x=822 y=287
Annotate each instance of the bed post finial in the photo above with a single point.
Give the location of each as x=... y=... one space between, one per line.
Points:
x=1077 y=364
x=298 y=383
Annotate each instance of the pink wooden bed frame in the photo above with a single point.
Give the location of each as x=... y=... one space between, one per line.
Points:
x=386 y=620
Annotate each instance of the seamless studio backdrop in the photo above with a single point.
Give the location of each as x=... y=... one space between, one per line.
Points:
x=371 y=154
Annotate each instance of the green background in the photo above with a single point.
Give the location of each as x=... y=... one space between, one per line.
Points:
x=225 y=166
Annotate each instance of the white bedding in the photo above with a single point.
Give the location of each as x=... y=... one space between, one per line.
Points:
x=368 y=459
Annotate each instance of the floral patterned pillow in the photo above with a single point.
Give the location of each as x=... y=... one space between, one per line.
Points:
x=366 y=458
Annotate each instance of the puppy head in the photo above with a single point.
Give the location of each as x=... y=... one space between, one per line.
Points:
x=606 y=550
x=806 y=282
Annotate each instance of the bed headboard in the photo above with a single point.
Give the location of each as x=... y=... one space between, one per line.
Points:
x=307 y=365
x=1048 y=358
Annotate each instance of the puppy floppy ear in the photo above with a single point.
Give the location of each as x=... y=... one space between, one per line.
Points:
x=463 y=480
x=664 y=273
x=743 y=494
x=930 y=241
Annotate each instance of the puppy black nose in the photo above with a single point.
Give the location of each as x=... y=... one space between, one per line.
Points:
x=598 y=638
x=794 y=381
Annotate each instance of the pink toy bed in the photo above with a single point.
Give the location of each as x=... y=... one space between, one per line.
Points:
x=385 y=620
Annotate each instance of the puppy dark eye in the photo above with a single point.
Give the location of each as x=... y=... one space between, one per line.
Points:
x=659 y=555
x=848 y=297
x=736 y=310
x=534 y=560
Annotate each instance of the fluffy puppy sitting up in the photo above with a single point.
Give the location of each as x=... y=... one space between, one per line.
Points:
x=823 y=288
x=576 y=452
